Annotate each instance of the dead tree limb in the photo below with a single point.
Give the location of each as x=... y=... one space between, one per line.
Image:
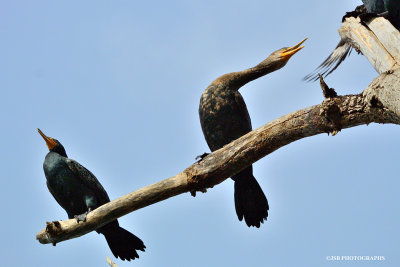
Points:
x=377 y=42
x=111 y=263
x=378 y=103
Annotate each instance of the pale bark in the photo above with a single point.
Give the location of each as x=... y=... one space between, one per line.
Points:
x=111 y=263
x=378 y=103
x=378 y=43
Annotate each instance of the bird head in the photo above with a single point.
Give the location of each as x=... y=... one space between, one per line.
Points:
x=53 y=144
x=279 y=58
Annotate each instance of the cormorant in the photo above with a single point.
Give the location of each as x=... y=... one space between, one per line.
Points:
x=78 y=192
x=224 y=118
x=389 y=9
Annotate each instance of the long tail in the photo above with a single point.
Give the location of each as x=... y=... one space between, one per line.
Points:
x=341 y=52
x=123 y=244
x=250 y=201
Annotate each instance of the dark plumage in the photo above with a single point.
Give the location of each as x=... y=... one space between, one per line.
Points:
x=78 y=191
x=371 y=8
x=224 y=118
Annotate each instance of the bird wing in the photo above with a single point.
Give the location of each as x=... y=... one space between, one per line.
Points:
x=374 y=6
x=368 y=3
x=89 y=180
x=341 y=52
x=58 y=199
x=223 y=116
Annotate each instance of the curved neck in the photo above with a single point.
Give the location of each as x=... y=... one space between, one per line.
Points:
x=235 y=80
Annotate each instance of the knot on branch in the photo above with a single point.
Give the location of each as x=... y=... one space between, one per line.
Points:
x=372 y=99
x=375 y=103
x=52 y=229
x=331 y=112
x=196 y=182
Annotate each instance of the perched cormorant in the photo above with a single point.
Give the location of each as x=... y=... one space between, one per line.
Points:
x=389 y=9
x=78 y=192
x=224 y=118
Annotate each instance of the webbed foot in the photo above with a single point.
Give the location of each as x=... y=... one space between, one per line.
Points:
x=357 y=12
x=366 y=17
x=82 y=217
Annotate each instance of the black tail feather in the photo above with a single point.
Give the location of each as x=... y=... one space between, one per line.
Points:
x=330 y=64
x=250 y=201
x=123 y=244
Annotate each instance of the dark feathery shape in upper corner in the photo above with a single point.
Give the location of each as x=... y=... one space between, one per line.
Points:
x=389 y=9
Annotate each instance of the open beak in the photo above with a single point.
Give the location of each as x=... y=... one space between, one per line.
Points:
x=290 y=51
x=49 y=141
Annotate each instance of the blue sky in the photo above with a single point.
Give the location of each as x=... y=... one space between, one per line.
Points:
x=119 y=83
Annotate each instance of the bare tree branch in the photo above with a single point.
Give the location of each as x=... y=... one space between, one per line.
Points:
x=378 y=103
x=111 y=263
x=378 y=43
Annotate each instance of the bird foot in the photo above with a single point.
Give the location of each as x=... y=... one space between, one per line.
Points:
x=202 y=156
x=362 y=13
x=367 y=17
x=82 y=217
x=356 y=13
x=203 y=190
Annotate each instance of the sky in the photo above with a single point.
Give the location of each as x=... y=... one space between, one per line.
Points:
x=119 y=83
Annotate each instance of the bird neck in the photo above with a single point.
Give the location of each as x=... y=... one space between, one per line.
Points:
x=235 y=80
x=52 y=164
x=59 y=151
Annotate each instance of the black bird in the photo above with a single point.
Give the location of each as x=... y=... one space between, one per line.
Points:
x=389 y=9
x=224 y=118
x=78 y=192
